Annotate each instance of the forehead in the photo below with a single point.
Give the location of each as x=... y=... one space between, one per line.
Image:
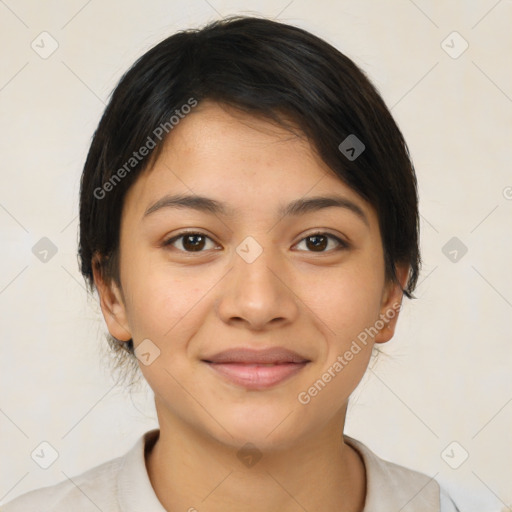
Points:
x=226 y=132
x=251 y=162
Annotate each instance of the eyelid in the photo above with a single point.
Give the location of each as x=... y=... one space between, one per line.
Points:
x=174 y=238
x=342 y=243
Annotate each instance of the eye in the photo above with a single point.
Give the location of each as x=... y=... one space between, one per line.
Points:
x=319 y=241
x=190 y=241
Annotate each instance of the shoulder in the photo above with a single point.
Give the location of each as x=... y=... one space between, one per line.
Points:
x=447 y=504
x=92 y=490
x=120 y=484
x=390 y=486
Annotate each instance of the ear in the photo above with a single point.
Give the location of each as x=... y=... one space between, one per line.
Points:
x=391 y=304
x=112 y=303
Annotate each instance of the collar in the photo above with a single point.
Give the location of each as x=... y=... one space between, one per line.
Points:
x=388 y=485
x=134 y=489
x=393 y=487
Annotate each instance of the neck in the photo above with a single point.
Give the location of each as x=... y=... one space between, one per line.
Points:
x=191 y=471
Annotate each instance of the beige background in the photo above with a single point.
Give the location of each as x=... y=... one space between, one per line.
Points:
x=448 y=375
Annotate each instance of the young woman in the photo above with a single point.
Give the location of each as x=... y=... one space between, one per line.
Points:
x=249 y=218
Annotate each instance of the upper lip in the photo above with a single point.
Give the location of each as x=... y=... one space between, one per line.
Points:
x=276 y=355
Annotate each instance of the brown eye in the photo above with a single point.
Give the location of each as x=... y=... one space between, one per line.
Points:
x=189 y=242
x=318 y=242
x=193 y=242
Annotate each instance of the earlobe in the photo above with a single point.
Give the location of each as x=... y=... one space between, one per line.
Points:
x=391 y=305
x=112 y=304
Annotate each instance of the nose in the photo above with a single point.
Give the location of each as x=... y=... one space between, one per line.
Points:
x=258 y=294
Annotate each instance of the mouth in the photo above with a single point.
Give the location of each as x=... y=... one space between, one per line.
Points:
x=256 y=369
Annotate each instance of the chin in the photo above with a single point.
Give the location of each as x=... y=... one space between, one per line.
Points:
x=267 y=428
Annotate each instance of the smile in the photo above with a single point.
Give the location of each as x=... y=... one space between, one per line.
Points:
x=256 y=376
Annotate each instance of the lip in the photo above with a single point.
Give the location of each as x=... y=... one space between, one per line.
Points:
x=275 y=355
x=250 y=368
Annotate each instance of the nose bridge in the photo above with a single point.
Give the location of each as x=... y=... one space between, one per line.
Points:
x=259 y=257
x=253 y=265
x=255 y=291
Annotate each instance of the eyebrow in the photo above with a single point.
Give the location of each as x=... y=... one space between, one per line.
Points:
x=298 y=207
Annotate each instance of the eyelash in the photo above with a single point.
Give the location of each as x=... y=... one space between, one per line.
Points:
x=342 y=244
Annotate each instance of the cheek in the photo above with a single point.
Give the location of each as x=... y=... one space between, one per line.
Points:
x=165 y=302
x=166 y=308
x=345 y=301
x=346 y=305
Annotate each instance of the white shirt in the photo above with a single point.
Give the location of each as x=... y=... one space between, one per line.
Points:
x=123 y=485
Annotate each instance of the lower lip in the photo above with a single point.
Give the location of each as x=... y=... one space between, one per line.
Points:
x=257 y=377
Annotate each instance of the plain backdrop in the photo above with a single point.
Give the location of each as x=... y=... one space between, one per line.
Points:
x=444 y=392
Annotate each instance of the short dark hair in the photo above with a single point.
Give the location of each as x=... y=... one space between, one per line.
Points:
x=264 y=68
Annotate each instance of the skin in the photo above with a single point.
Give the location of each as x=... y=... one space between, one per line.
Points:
x=193 y=304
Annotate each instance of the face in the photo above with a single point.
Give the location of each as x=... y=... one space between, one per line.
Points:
x=240 y=272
